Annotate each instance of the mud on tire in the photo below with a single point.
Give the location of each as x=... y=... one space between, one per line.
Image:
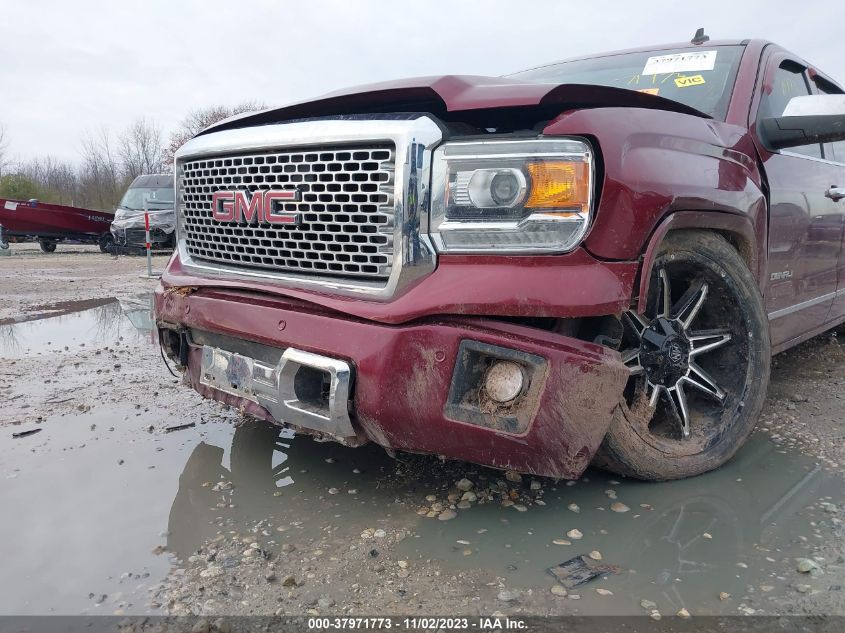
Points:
x=659 y=433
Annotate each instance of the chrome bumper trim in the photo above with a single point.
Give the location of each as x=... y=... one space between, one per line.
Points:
x=273 y=387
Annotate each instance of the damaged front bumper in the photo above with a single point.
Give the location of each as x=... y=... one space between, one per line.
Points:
x=420 y=387
x=130 y=231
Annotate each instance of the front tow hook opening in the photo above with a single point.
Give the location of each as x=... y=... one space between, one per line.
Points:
x=314 y=392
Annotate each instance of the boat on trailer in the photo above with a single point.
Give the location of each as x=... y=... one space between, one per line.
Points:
x=50 y=224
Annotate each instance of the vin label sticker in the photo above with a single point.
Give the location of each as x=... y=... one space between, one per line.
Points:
x=692 y=61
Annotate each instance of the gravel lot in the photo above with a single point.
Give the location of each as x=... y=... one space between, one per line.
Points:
x=230 y=516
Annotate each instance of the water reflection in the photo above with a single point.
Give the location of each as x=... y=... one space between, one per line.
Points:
x=272 y=474
x=107 y=322
x=9 y=342
x=139 y=310
x=681 y=543
x=141 y=489
x=258 y=467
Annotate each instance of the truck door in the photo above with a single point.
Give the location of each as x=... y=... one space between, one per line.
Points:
x=805 y=226
x=834 y=153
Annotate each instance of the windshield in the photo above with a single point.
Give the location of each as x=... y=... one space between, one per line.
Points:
x=157 y=198
x=701 y=78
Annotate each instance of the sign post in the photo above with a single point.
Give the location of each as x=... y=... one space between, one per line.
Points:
x=147 y=239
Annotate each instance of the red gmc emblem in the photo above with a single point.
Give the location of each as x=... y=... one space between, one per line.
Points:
x=255 y=207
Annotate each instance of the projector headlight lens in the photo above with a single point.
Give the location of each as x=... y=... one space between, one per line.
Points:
x=512 y=196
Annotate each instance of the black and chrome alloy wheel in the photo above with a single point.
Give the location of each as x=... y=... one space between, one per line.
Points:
x=669 y=349
x=698 y=356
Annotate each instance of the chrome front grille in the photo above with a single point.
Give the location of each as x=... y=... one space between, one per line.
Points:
x=346 y=208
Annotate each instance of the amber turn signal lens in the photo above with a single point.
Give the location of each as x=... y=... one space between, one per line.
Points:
x=563 y=185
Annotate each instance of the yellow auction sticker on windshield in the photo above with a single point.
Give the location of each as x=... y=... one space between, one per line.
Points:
x=649 y=91
x=692 y=80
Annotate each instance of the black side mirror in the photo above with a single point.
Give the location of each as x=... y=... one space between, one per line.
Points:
x=792 y=131
x=805 y=121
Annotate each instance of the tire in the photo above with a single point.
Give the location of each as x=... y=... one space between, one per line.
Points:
x=47 y=246
x=713 y=347
x=106 y=243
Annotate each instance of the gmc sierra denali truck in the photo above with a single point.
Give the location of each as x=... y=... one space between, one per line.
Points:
x=589 y=260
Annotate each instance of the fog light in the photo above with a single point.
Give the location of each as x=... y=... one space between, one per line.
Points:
x=504 y=381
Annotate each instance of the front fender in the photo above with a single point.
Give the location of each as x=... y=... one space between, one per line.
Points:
x=738 y=229
x=655 y=164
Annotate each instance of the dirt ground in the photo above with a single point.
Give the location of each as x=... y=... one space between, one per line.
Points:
x=221 y=515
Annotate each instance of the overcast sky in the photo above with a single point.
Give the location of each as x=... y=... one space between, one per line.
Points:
x=74 y=65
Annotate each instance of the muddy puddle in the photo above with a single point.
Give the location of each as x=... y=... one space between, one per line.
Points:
x=79 y=324
x=100 y=506
x=84 y=503
x=680 y=544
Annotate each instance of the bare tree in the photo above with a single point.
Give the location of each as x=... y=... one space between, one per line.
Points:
x=100 y=176
x=4 y=145
x=57 y=181
x=109 y=166
x=199 y=119
x=108 y=163
x=141 y=149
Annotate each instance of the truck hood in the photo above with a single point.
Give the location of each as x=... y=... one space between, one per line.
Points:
x=472 y=99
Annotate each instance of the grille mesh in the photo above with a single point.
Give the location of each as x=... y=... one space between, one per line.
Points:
x=347 y=211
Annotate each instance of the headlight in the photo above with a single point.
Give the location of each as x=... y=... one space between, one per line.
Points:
x=511 y=196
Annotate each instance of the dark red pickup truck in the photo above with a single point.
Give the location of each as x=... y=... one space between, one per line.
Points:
x=589 y=260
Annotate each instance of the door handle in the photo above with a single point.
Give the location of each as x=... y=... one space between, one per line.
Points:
x=835 y=193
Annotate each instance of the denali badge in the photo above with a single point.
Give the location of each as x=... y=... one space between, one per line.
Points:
x=255 y=207
x=780 y=276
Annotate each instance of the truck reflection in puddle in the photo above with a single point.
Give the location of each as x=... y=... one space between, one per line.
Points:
x=680 y=544
x=273 y=475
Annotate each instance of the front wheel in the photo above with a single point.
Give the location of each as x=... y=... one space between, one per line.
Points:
x=47 y=246
x=106 y=243
x=699 y=359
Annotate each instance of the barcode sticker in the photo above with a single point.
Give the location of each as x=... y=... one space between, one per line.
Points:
x=693 y=61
